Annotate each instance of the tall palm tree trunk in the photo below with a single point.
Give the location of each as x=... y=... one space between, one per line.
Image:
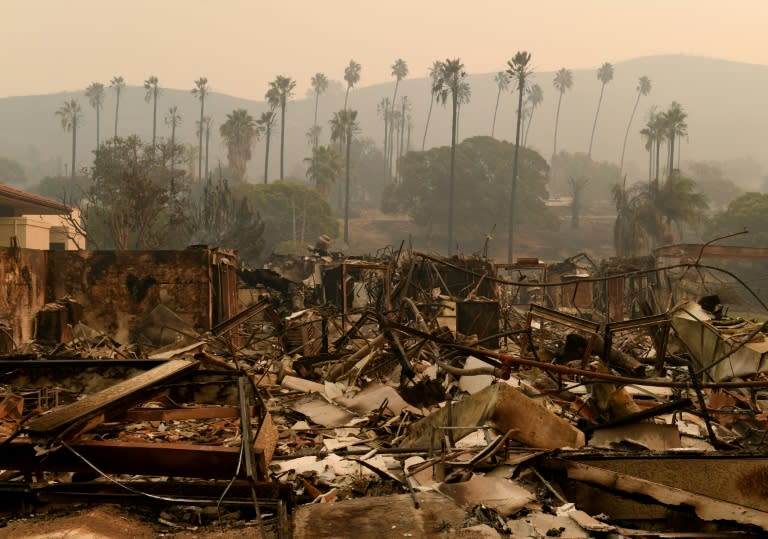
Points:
x=557 y=123
x=454 y=127
x=426 y=126
x=386 y=147
x=207 y=140
x=671 y=153
x=626 y=134
x=511 y=227
x=658 y=151
x=154 y=119
x=282 y=138
x=528 y=127
x=594 y=124
x=74 y=148
x=495 y=110
x=317 y=102
x=346 y=186
x=200 y=141
x=266 y=155
x=117 y=111
x=98 y=129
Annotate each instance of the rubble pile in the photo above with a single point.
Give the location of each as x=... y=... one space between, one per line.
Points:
x=410 y=395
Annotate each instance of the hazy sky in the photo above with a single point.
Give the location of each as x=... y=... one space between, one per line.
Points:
x=240 y=45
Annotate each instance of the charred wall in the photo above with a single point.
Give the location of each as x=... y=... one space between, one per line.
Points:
x=118 y=289
x=22 y=289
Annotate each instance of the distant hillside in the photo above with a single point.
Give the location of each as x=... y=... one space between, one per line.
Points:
x=725 y=102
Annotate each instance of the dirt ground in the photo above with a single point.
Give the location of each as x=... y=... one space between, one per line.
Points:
x=111 y=522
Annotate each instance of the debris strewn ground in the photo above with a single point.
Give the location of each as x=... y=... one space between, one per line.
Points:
x=402 y=395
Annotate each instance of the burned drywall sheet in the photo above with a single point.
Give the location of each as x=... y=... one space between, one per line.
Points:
x=119 y=289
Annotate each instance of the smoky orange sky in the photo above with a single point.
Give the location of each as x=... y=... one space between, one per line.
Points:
x=240 y=45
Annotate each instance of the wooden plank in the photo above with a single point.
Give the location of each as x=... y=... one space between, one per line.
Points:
x=706 y=508
x=66 y=417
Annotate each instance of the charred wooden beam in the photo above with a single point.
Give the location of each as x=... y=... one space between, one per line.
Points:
x=134 y=458
x=74 y=418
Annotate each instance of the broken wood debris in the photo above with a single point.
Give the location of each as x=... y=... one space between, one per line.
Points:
x=508 y=388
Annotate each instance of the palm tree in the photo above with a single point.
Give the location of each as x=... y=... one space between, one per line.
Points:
x=264 y=126
x=604 y=75
x=519 y=70
x=319 y=85
x=647 y=135
x=399 y=71
x=464 y=96
x=95 y=95
x=324 y=169
x=152 y=88
x=676 y=127
x=643 y=88
x=282 y=90
x=238 y=132
x=562 y=83
x=385 y=109
x=200 y=91
x=344 y=124
x=535 y=97
x=173 y=119
x=117 y=84
x=450 y=74
x=502 y=85
x=70 y=114
x=352 y=76
x=655 y=131
x=434 y=73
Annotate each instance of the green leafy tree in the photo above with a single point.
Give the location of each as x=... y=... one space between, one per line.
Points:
x=292 y=213
x=502 y=85
x=238 y=132
x=643 y=89
x=12 y=172
x=95 y=95
x=748 y=211
x=200 y=91
x=153 y=90
x=604 y=75
x=602 y=176
x=352 y=77
x=117 y=84
x=563 y=82
x=319 y=86
x=520 y=71
x=71 y=115
x=713 y=183
x=434 y=74
x=648 y=213
x=324 y=169
x=484 y=169
x=448 y=83
x=282 y=90
x=128 y=194
x=534 y=99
